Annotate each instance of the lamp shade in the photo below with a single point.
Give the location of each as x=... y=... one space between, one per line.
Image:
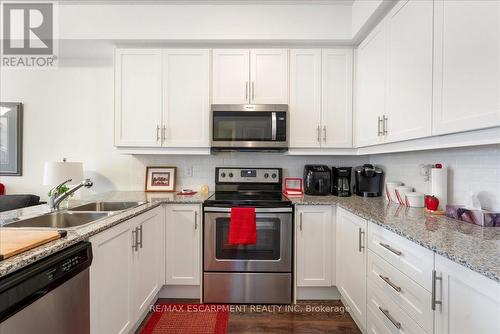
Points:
x=57 y=172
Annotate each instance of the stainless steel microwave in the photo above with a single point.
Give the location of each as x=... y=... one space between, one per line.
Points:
x=249 y=127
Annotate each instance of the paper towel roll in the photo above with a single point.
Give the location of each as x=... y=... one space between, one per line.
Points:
x=439 y=186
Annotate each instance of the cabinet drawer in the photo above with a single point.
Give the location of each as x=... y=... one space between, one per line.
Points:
x=408 y=257
x=400 y=289
x=386 y=316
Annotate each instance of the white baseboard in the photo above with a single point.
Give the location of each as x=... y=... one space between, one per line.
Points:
x=317 y=293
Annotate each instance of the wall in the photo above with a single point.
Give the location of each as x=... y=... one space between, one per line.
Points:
x=470 y=170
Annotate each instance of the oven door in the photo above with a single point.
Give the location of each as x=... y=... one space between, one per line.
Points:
x=271 y=253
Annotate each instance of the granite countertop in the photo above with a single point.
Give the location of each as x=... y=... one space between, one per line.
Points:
x=84 y=232
x=472 y=246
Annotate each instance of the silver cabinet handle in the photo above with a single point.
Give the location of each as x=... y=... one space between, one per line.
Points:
x=435 y=302
x=157 y=133
x=253 y=91
x=164 y=133
x=300 y=221
x=318 y=130
x=135 y=247
x=396 y=324
x=379 y=126
x=385 y=125
x=324 y=133
x=388 y=281
x=390 y=249
x=139 y=234
x=361 y=233
x=196 y=220
x=246 y=91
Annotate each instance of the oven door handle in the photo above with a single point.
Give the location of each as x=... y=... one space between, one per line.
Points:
x=257 y=210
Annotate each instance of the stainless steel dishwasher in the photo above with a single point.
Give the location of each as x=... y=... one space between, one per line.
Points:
x=49 y=296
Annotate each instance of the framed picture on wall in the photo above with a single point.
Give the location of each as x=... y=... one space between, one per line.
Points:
x=160 y=178
x=11 y=138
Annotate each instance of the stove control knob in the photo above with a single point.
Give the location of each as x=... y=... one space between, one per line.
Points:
x=222 y=175
x=266 y=175
x=231 y=175
x=274 y=175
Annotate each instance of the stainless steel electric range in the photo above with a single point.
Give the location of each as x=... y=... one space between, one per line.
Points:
x=255 y=274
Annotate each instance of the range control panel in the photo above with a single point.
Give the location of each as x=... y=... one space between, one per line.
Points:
x=249 y=175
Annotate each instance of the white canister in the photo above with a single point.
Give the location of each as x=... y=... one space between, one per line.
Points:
x=415 y=200
x=401 y=193
x=390 y=188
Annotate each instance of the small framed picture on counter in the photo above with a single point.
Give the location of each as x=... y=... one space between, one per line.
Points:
x=160 y=179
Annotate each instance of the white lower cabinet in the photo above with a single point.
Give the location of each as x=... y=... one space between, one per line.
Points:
x=147 y=260
x=470 y=302
x=351 y=257
x=314 y=247
x=124 y=277
x=183 y=244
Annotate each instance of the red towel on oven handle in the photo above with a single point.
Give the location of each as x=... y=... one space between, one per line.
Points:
x=242 y=227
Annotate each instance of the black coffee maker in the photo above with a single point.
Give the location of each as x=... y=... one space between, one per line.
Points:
x=368 y=180
x=317 y=180
x=341 y=181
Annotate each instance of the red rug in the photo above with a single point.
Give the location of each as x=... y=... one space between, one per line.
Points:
x=187 y=319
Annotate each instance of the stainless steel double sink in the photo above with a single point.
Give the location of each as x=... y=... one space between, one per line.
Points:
x=75 y=217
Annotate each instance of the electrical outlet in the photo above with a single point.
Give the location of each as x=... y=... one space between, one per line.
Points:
x=188 y=171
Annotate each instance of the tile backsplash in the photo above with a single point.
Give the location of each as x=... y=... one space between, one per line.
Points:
x=471 y=170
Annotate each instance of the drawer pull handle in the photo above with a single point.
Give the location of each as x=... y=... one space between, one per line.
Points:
x=388 y=281
x=389 y=316
x=434 y=301
x=390 y=249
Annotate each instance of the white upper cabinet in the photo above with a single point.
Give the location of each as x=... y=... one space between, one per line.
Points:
x=336 y=98
x=138 y=97
x=269 y=76
x=257 y=76
x=186 y=109
x=467 y=65
x=409 y=71
x=470 y=302
x=371 y=87
x=158 y=93
x=230 y=81
x=315 y=241
x=305 y=98
x=394 y=77
x=320 y=98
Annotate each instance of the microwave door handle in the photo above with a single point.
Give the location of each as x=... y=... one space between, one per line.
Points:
x=273 y=126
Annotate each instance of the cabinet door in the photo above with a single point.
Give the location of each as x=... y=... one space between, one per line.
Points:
x=467 y=65
x=147 y=260
x=110 y=279
x=138 y=97
x=269 y=76
x=230 y=76
x=182 y=256
x=314 y=245
x=351 y=263
x=186 y=98
x=370 y=94
x=470 y=301
x=409 y=78
x=336 y=100
x=305 y=98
